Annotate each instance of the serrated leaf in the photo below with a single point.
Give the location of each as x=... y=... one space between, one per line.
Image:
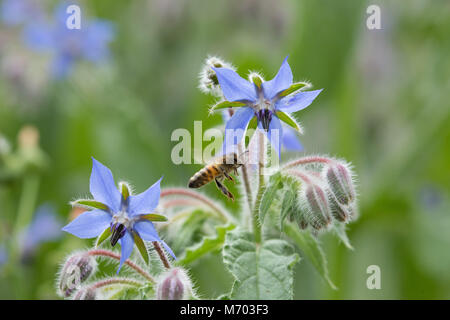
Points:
x=269 y=194
x=227 y=104
x=141 y=247
x=310 y=246
x=339 y=230
x=263 y=271
x=105 y=234
x=288 y=120
x=293 y=88
x=91 y=204
x=153 y=217
x=208 y=244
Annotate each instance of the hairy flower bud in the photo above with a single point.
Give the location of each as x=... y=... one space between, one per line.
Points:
x=339 y=178
x=315 y=203
x=208 y=78
x=85 y=294
x=76 y=270
x=174 y=285
x=339 y=211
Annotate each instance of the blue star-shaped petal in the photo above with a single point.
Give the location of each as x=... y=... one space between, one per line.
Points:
x=126 y=217
x=266 y=102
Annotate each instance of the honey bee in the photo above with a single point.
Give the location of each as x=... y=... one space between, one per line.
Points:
x=218 y=170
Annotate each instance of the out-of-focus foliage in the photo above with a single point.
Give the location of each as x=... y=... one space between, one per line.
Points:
x=384 y=108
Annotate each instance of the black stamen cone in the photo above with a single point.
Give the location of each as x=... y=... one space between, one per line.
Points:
x=118 y=231
x=264 y=117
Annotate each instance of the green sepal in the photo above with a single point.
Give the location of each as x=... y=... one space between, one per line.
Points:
x=90 y=203
x=293 y=88
x=153 y=217
x=257 y=81
x=125 y=190
x=288 y=120
x=141 y=246
x=227 y=104
x=105 y=234
x=339 y=230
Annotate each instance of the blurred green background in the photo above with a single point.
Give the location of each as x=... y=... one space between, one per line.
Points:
x=385 y=108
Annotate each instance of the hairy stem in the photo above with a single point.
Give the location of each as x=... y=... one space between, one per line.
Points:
x=132 y=265
x=222 y=215
x=161 y=254
x=27 y=204
x=113 y=281
x=248 y=190
x=261 y=187
x=307 y=160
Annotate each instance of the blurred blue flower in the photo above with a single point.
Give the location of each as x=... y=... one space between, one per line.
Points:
x=265 y=103
x=17 y=12
x=126 y=216
x=68 y=46
x=45 y=227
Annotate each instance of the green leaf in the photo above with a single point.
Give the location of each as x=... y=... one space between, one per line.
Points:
x=207 y=245
x=287 y=206
x=269 y=194
x=190 y=231
x=293 y=88
x=90 y=204
x=105 y=234
x=153 y=217
x=339 y=230
x=227 y=104
x=263 y=271
x=141 y=246
x=288 y=120
x=310 y=246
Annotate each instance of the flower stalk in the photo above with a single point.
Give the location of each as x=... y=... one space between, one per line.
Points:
x=161 y=255
x=221 y=214
x=261 y=188
x=131 y=264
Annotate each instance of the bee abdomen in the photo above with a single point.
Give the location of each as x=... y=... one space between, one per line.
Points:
x=203 y=177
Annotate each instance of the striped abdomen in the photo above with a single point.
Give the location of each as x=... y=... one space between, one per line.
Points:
x=204 y=176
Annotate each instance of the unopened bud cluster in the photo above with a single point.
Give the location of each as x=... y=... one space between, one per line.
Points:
x=76 y=270
x=174 y=285
x=327 y=193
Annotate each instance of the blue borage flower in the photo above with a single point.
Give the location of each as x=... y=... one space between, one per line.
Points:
x=268 y=102
x=124 y=218
x=70 y=45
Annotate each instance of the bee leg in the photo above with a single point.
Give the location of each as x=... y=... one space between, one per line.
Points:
x=229 y=177
x=224 y=190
